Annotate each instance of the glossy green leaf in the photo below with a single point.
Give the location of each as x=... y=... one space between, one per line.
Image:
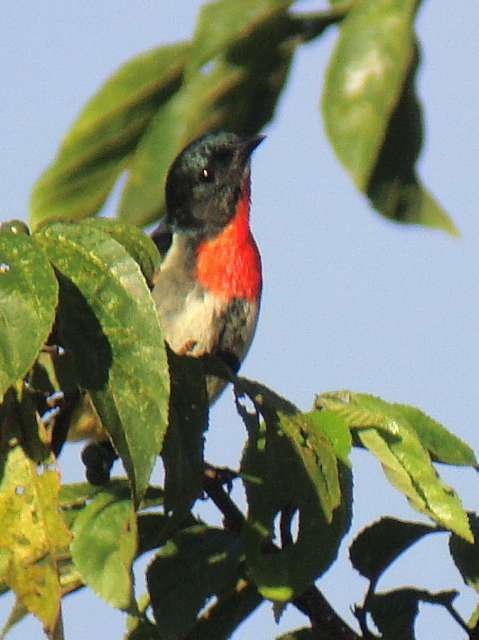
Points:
x=394 y=612
x=289 y=466
x=109 y=326
x=442 y=445
x=28 y=299
x=365 y=79
x=336 y=431
x=104 y=547
x=139 y=245
x=385 y=429
x=194 y=565
x=237 y=93
x=394 y=188
x=466 y=555
x=182 y=453
x=222 y=24
x=30 y=552
x=97 y=147
x=378 y=545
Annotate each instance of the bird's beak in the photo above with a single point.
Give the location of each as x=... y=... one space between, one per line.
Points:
x=248 y=145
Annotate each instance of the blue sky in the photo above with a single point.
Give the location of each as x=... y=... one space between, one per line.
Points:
x=350 y=300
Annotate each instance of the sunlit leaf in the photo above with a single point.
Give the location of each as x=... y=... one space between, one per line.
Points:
x=139 y=245
x=372 y=113
x=104 y=546
x=109 y=326
x=28 y=299
x=97 y=147
x=388 y=431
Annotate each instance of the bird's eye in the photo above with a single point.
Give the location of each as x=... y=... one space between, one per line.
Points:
x=207 y=175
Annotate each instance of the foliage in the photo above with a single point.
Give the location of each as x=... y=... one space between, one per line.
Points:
x=81 y=344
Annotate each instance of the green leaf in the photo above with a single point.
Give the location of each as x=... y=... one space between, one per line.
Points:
x=98 y=145
x=194 y=565
x=395 y=612
x=182 y=453
x=140 y=246
x=385 y=429
x=28 y=299
x=30 y=552
x=222 y=24
x=78 y=494
x=336 y=431
x=365 y=79
x=442 y=445
x=466 y=555
x=104 y=547
x=290 y=466
x=394 y=188
x=109 y=325
x=378 y=545
x=237 y=93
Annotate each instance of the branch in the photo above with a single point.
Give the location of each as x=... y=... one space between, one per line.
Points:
x=312 y=602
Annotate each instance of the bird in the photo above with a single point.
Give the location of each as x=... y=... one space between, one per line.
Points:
x=208 y=288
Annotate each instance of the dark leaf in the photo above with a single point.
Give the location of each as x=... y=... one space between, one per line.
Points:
x=378 y=545
x=194 y=565
x=227 y=613
x=395 y=612
x=302 y=634
x=290 y=466
x=466 y=555
x=182 y=452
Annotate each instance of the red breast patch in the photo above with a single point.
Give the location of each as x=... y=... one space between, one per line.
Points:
x=229 y=264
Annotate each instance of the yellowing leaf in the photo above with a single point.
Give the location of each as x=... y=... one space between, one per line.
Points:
x=32 y=533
